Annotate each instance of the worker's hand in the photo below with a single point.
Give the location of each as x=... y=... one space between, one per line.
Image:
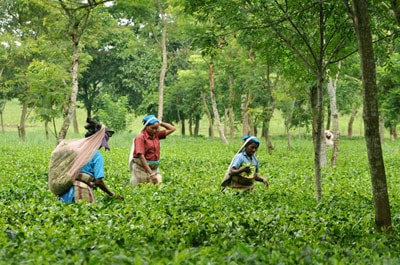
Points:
x=266 y=183
x=153 y=178
x=118 y=197
x=246 y=169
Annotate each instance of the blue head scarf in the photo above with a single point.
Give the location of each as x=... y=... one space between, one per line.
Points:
x=149 y=120
x=252 y=140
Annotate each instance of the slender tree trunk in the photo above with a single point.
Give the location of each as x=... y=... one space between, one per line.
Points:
x=393 y=132
x=267 y=137
x=288 y=120
x=54 y=126
x=269 y=110
x=323 y=155
x=88 y=113
x=2 y=122
x=46 y=128
x=253 y=129
x=382 y=128
x=328 y=118
x=318 y=132
x=266 y=125
x=335 y=118
x=371 y=119
x=197 y=125
x=2 y=107
x=209 y=117
x=245 y=116
x=190 y=120
x=214 y=102
x=231 y=124
x=230 y=109
x=74 y=93
x=75 y=122
x=351 y=122
x=289 y=139
x=226 y=121
x=21 y=126
x=164 y=65
x=79 y=23
x=183 y=127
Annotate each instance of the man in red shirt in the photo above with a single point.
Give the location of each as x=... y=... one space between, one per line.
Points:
x=145 y=153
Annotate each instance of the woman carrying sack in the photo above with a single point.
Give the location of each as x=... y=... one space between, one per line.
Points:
x=91 y=173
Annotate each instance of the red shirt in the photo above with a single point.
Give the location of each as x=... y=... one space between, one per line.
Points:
x=149 y=146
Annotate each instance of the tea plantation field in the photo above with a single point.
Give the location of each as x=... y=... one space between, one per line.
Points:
x=188 y=220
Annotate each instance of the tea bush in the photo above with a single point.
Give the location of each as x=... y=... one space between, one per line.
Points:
x=188 y=220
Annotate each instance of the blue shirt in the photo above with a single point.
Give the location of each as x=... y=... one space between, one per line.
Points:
x=94 y=168
x=242 y=158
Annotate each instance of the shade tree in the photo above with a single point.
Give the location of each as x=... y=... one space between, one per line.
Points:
x=25 y=24
x=359 y=12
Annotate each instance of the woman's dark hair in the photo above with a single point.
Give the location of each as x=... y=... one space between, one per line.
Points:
x=92 y=127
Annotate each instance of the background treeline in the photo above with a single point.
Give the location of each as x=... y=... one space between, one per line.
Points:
x=124 y=46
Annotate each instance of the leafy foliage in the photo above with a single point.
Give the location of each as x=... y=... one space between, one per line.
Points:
x=112 y=111
x=188 y=220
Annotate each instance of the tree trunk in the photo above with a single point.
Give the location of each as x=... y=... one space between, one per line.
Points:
x=226 y=121
x=54 y=126
x=74 y=93
x=370 y=114
x=393 y=132
x=328 y=118
x=89 y=112
x=245 y=117
x=46 y=128
x=267 y=137
x=214 y=102
x=183 y=127
x=323 y=156
x=164 y=65
x=318 y=132
x=2 y=107
x=197 y=125
x=289 y=140
x=382 y=128
x=231 y=124
x=230 y=109
x=79 y=24
x=335 y=118
x=269 y=110
x=190 y=120
x=209 y=117
x=351 y=122
x=253 y=129
x=21 y=126
x=288 y=121
x=266 y=124
x=75 y=122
